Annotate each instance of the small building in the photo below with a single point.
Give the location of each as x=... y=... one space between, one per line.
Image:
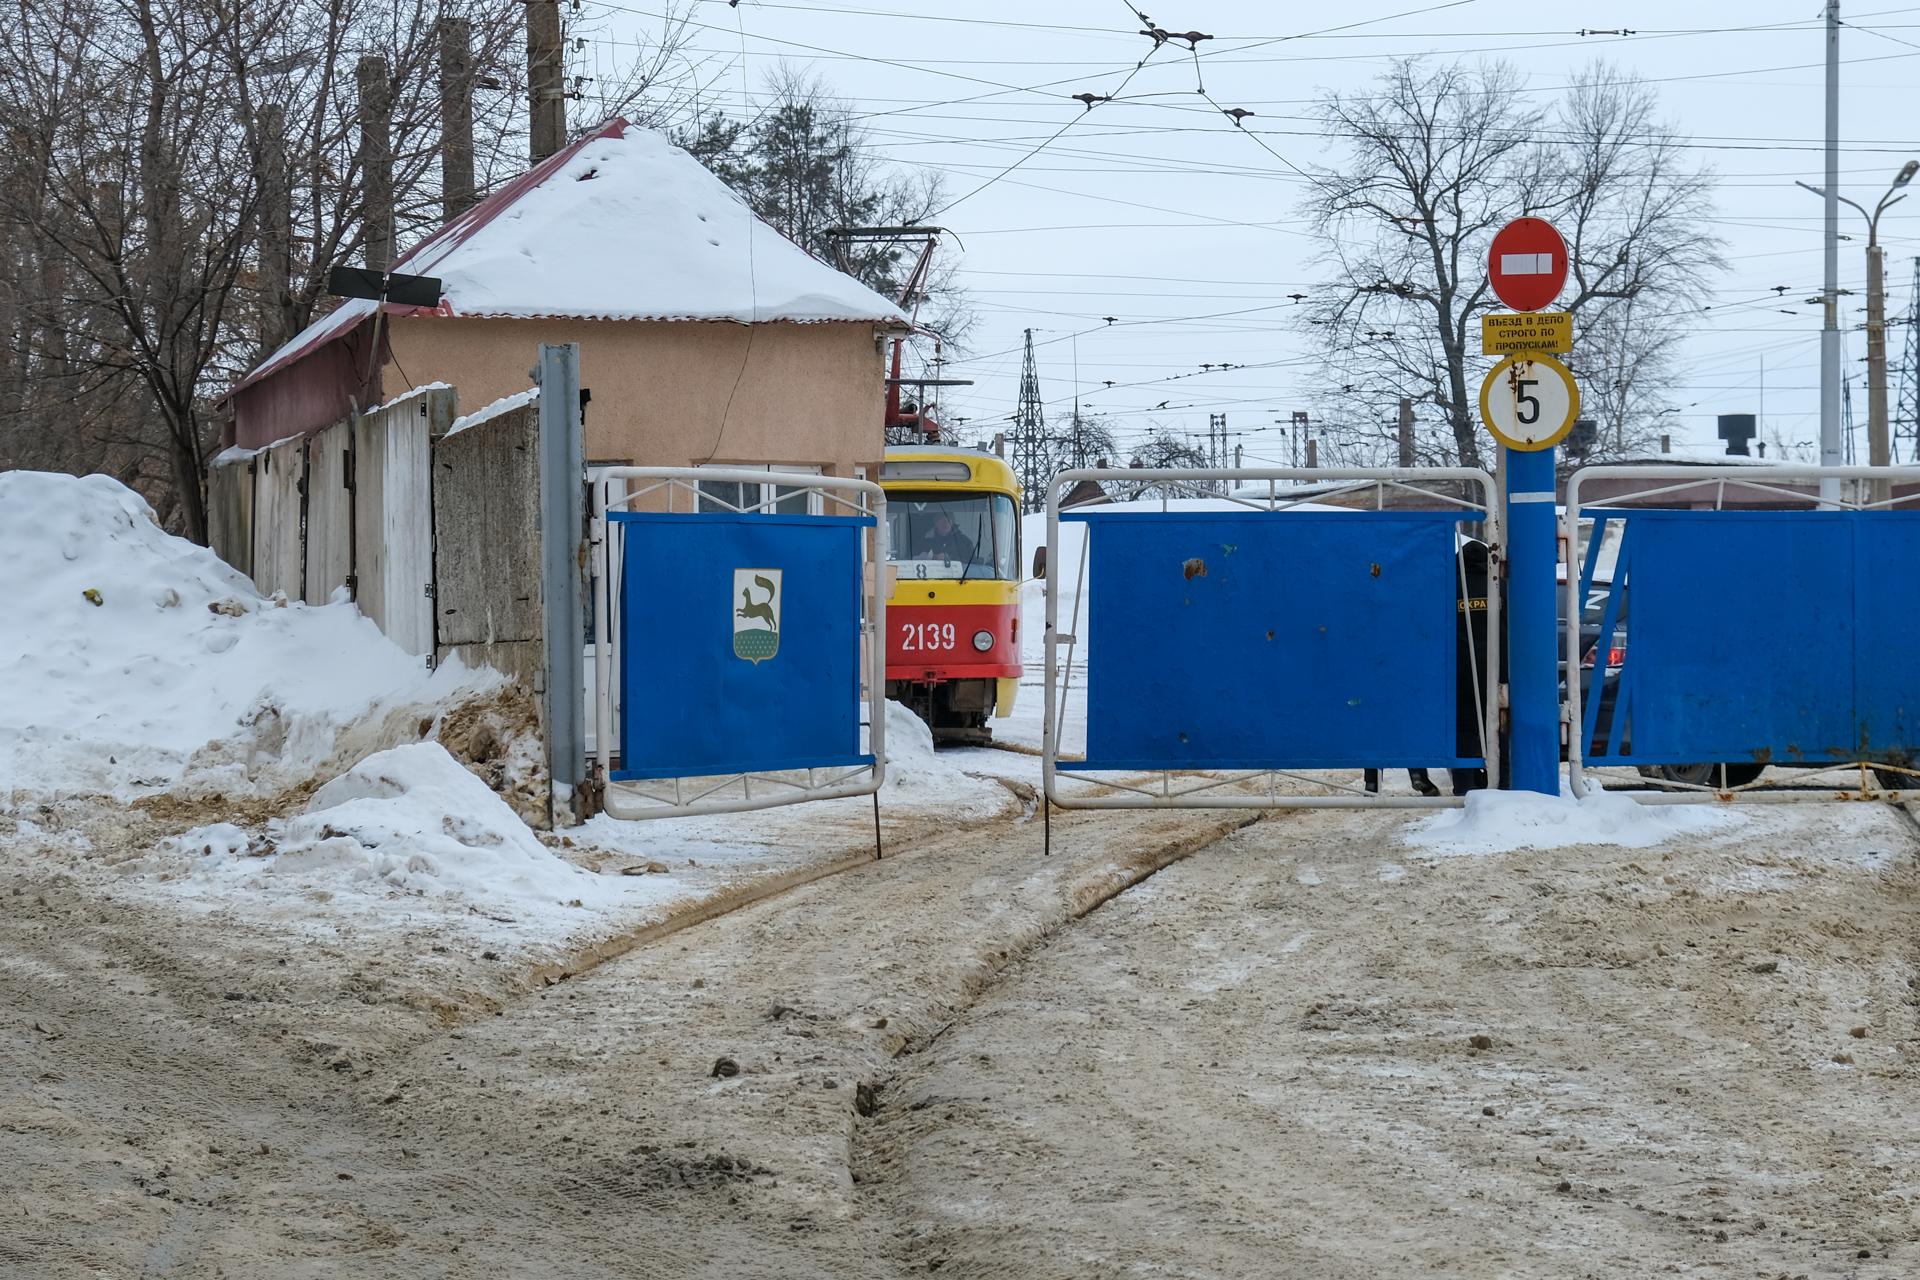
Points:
x=705 y=335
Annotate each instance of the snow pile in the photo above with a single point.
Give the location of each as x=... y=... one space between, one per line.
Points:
x=127 y=651
x=924 y=780
x=1501 y=821
x=409 y=821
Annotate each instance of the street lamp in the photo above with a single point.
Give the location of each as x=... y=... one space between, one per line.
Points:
x=1879 y=445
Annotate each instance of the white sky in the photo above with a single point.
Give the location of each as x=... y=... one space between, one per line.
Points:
x=1154 y=210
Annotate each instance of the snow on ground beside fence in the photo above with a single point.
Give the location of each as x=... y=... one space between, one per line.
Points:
x=410 y=825
x=920 y=782
x=131 y=657
x=925 y=781
x=1504 y=821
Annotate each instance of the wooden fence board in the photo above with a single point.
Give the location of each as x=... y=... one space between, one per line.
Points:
x=278 y=482
x=487 y=541
x=393 y=515
x=330 y=552
x=230 y=512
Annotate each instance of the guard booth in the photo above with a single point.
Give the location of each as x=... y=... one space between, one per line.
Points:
x=736 y=639
x=1242 y=642
x=1728 y=645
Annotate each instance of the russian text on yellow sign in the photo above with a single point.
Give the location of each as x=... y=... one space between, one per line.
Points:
x=1504 y=333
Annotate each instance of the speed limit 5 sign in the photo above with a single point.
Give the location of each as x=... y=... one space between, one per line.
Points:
x=1529 y=402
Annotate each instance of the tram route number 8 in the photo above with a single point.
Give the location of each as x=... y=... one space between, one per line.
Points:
x=924 y=636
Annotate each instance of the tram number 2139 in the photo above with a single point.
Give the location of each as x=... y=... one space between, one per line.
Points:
x=919 y=637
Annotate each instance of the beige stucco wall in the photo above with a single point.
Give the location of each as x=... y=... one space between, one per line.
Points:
x=665 y=394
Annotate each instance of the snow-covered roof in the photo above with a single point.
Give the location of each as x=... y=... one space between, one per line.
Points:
x=1700 y=456
x=621 y=225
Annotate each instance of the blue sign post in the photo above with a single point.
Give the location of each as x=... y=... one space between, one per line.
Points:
x=1529 y=402
x=1533 y=671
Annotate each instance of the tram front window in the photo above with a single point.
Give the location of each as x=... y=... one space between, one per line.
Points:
x=951 y=535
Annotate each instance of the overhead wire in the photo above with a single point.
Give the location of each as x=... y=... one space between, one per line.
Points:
x=1030 y=148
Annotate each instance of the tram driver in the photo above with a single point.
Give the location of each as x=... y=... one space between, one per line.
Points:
x=944 y=541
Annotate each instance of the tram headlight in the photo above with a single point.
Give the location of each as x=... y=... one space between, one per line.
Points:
x=983 y=640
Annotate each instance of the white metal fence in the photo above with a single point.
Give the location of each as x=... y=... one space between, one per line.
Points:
x=1275 y=491
x=1750 y=486
x=678 y=490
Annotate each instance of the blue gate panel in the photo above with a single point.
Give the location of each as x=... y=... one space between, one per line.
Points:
x=1887 y=596
x=1297 y=640
x=1739 y=636
x=715 y=676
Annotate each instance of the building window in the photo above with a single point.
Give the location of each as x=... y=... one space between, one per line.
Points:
x=786 y=499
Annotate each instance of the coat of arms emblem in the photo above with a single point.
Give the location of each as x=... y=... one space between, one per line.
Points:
x=756 y=619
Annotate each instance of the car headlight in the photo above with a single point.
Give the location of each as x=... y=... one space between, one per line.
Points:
x=983 y=640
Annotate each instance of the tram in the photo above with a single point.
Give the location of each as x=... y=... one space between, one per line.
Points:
x=953 y=620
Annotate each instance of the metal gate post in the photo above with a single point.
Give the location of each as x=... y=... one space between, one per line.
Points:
x=562 y=522
x=1532 y=622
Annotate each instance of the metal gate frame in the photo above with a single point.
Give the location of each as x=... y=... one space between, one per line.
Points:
x=1840 y=495
x=1185 y=789
x=717 y=794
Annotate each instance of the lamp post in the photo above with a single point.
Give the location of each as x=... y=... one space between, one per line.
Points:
x=1879 y=443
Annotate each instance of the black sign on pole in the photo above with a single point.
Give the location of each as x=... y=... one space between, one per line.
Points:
x=402 y=290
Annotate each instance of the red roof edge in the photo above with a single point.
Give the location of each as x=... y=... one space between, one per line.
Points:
x=448 y=237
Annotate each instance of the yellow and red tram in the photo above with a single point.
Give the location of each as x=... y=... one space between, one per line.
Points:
x=953 y=621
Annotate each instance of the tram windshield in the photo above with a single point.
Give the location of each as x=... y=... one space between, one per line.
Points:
x=952 y=535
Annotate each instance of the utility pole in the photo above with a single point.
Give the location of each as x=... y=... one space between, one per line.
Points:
x=1030 y=435
x=546 y=100
x=456 y=117
x=1879 y=444
x=1879 y=452
x=1216 y=439
x=1406 y=431
x=376 y=160
x=1830 y=291
x=276 y=231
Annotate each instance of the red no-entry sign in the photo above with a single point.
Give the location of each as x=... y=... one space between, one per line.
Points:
x=1527 y=264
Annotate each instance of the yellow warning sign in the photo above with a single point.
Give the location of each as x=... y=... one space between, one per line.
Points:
x=1506 y=333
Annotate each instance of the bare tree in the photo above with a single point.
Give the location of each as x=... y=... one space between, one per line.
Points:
x=1160 y=448
x=807 y=168
x=1441 y=156
x=1084 y=439
x=178 y=180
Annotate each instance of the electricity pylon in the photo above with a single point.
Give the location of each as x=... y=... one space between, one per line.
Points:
x=1031 y=461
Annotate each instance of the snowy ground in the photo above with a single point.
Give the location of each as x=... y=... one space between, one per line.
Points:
x=1308 y=1053
x=1314 y=1048
x=285 y=766
x=287 y=987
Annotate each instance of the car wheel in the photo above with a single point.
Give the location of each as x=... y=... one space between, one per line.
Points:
x=1894 y=780
x=1708 y=775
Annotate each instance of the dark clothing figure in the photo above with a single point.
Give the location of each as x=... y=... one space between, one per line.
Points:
x=1472 y=679
x=1422 y=783
x=945 y=542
